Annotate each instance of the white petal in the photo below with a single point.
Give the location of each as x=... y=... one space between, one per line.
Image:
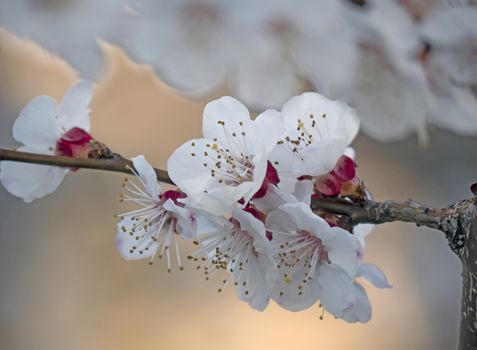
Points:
x=256 y=292
x=287 y=294
x=270 y=126
x=223 y=118
x=147 y=175
x=186 y=223
x=350 y=152
x=259 y=171
x=336 y=289
x=302 y=218
x=74 y=109
x=220 y=200
x=186 y=170
x=30 y=181
x=320 y=157
x=341 y=250
x=361 y=311
x=332 y=119
x=274 y=198
x=361 y=231
x=303 y=191
x=256 y=229
x=37 y=124
x=374 y=274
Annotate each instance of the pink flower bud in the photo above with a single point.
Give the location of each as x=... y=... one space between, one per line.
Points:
x=345 y=169
x=328 y=185
x=74 y=143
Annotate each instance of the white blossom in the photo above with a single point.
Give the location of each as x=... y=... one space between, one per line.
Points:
x=388 y=85
x=40 y=126
x=452 y=66
x=230 y=163
x=189 y=43
x=70 y=29
x=241 y=247
x=314 y=260
x=151 y=231
x=317 y=133
x=319 y=262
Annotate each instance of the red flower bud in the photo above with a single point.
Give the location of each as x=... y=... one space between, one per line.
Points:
x=74 y=143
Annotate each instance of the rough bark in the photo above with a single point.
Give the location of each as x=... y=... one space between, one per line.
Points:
x=461 y=229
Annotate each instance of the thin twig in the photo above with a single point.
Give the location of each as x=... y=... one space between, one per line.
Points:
x=117 y=164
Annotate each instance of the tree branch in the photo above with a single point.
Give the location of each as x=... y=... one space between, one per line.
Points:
x=366 y=212
x=116 y=164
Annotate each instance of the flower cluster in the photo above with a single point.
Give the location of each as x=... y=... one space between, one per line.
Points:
x=244 y=195
x=402 y=64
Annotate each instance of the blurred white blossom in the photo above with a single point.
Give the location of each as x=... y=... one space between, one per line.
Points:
x=404 y=65
x=451 y=65
x=68 y=28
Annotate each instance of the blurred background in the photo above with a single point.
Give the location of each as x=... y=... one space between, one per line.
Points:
x=64 y=286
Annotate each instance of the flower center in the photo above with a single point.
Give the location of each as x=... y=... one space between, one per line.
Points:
x=76 y=142
x=307 y=131
x=303 y=253
x=231 y=249
x=225 y=166
x=152 y=227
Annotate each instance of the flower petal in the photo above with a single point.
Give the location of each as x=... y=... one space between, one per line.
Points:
x=74 y=109
x=300 y=216
x=324 y=118
x=336 y=289
x=341 y=251
x=374 y=274
x=30 y=181
x=290 y=297
x=37 y=124
x=227 y=122
x=270 y=126
x=147 y=175
x=303 y=191
x=320 y=157
x=186 y=223
x=361 y=311
x=361 y=231
x=274 y=198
